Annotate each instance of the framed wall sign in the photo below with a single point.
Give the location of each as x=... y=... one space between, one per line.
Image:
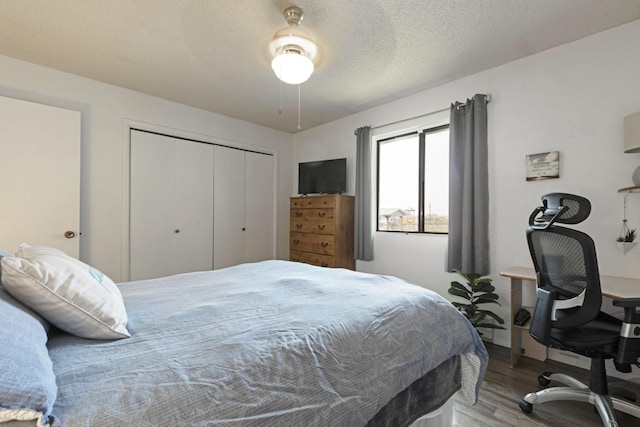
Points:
x=543 y=166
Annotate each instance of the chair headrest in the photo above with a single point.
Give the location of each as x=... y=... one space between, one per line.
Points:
x=560 y=207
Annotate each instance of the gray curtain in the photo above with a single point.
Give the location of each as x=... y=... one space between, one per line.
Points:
x=363 y=234
x=468 y=187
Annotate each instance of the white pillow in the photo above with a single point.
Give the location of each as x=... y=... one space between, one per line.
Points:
x=70 y=294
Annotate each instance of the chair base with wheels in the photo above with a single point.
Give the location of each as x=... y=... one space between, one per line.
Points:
x=577 y=391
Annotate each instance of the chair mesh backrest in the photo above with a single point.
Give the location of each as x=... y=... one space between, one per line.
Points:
x=561 y=262
x=565 y=259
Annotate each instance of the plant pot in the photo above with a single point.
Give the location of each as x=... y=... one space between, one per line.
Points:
x=626 y=246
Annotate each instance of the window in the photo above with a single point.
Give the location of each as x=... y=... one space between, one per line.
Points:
x=413 y=182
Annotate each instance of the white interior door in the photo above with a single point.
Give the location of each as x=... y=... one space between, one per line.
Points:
x=40 y=172
x=259 y=207
x=229 y=199
x=171 y=205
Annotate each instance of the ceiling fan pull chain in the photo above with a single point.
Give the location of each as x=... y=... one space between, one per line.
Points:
x=299 y=126
x=280 y=96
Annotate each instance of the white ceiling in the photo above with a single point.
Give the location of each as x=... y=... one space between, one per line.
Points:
x=213 y=54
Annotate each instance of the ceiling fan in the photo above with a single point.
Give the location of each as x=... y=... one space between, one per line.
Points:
x=293 y=50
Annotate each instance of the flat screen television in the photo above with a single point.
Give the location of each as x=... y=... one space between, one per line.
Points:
x=325 y=176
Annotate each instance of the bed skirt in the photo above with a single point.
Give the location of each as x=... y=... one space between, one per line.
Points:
x=421 y=397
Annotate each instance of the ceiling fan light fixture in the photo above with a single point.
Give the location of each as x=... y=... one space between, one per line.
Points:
x=292 y=66
x=293 y=50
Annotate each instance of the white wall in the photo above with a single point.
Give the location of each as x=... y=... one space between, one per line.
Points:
x=572 y=99
x=105 y=110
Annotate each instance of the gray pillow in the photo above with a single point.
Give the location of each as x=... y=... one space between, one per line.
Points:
x=27 y=382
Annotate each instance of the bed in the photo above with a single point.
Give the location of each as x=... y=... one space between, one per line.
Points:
x=273 y=343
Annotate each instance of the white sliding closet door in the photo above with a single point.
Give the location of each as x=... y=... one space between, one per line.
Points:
x=40 y=170
x=171 y=205
x=259 y=207
x=243 y=207
x=228 y=214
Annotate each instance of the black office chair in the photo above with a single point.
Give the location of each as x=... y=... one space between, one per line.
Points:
x=567 y=313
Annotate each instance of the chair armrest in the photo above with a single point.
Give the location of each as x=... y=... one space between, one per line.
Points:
x=631 y=315
x=540 y=326
x=629 y=345
x=627 y=302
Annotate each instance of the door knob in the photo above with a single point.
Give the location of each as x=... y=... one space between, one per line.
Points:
x=69 y=234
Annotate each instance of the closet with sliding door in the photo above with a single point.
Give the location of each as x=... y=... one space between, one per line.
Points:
x=197 y=206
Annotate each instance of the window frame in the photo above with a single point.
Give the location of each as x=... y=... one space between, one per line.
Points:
x=421 y=134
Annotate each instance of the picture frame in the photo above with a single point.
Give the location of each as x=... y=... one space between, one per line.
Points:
x=543 y=166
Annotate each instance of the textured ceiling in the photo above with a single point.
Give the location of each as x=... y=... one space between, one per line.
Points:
x=214 y=54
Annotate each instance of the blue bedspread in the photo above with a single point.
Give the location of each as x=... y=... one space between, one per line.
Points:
x=266 y=344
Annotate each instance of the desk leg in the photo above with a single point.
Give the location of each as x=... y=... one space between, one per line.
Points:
x=516 y=333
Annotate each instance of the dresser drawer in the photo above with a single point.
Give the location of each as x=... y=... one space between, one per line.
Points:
x=313 y=202
x=313 y=259
x=314 y=243
x=319 y=227
x=312 y=214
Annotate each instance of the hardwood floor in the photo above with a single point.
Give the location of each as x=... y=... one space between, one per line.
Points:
x=503 y=387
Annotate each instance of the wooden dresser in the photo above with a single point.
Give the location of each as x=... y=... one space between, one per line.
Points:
x=322 y=230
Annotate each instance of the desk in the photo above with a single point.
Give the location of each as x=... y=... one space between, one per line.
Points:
x=612 y=287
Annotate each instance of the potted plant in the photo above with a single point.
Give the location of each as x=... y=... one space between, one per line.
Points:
x=478 y=290
x=628 y=237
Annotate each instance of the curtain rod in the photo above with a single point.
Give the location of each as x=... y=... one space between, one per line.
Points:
x=461 y=104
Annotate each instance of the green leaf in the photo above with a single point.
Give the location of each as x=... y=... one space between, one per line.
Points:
x=477 y=318
x=483 y=287
x=456 y=284
x=495 y=316
x=461 y=287
x=474 y=277
x=486 y=298
x=489 y=325
x=457 y=292
x=466 y=276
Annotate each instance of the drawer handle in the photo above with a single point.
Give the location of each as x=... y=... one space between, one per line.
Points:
x=296 y=241
x=321 y=227
x=324 y=244
x=298 y=214
x=298 y=225
x=324 y=264
x=321 y=214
